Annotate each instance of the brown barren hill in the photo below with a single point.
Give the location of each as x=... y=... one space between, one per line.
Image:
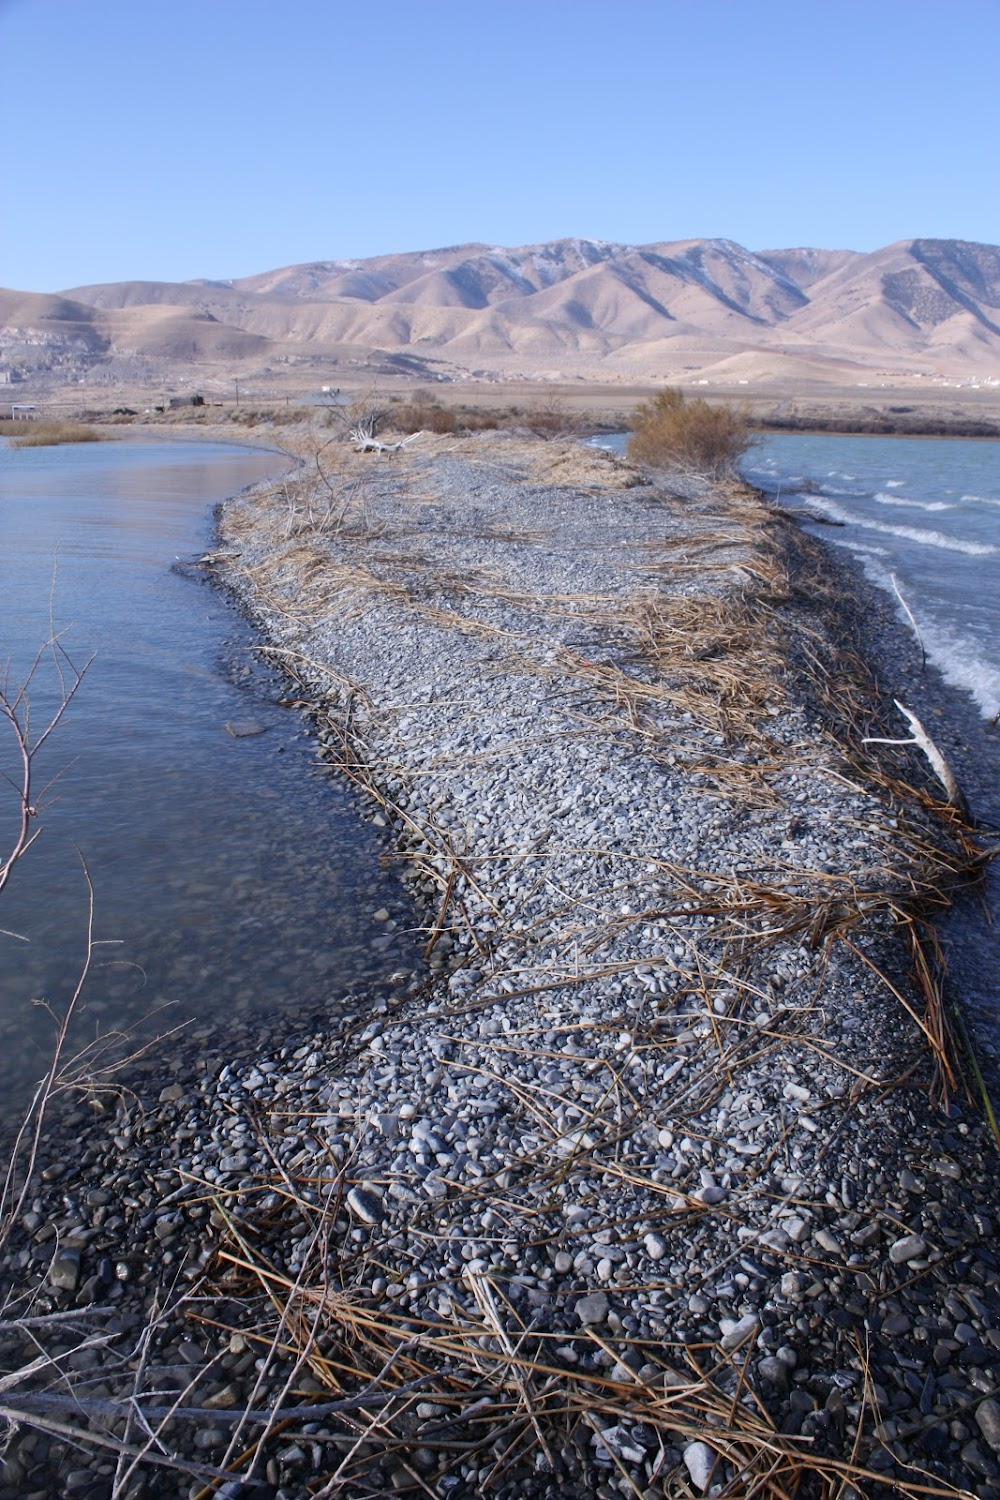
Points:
x=573 y=309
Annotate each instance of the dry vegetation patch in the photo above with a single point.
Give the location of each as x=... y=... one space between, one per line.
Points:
x=538 y=1304
x=674 y=430
x=49 y=434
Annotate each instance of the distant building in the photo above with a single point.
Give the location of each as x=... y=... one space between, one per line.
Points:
x=178 y=401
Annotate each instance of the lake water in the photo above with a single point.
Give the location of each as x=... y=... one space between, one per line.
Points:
x=923 y=517
x=922 y=514
x=925 y=512
x=231 y=879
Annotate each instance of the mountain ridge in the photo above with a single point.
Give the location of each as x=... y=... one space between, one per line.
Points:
x=576 y=307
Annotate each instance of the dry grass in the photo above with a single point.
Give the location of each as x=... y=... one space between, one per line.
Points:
x=51 y=434
x=505 y=1395
x=673 y=431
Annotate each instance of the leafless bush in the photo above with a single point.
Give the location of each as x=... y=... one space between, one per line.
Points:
x=550 y=418
x=670 y=430
x=15 y=710
x=428 y=415
x=367 y=414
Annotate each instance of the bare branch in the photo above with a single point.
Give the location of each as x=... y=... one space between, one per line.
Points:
x=15 y=710
x=937 y=762
x=912 y=620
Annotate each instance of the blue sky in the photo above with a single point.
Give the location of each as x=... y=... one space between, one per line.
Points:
x=168 y=141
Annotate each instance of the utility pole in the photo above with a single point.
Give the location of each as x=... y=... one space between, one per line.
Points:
x=237 y=395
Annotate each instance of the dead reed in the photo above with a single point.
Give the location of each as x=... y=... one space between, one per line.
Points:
x=461 y=1378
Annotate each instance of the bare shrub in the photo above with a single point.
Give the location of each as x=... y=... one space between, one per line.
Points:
x=428 y=415
x=424 y=416
x=367 y=415
x=549 y=417
x=15 y=712
x=672 y=431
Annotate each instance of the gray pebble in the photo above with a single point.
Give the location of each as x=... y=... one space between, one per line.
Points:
x=592 y=1308
x=910 y=1247
x=366 y=1205
x=988 y=1422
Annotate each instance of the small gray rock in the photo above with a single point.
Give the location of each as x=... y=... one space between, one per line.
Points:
x=617 y=1441
x=366 y=1205
x=699 y=1460
x=795 y=1227
x=910 y=1247
x=736 y=1333
x=988 y=1422
x=710 y=1195
x=593 y=1308
x=775 y=1370
x=64 y=1270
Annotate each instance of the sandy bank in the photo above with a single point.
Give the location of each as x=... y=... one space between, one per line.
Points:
x=641 y=1190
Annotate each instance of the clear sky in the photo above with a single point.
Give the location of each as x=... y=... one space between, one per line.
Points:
x=174 y=140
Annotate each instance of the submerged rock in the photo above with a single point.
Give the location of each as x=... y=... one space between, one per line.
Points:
x=244 y=729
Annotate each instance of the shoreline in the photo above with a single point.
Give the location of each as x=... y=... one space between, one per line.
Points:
x=878 y=424
x=655 y=1122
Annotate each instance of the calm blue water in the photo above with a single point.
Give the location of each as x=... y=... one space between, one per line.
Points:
x=230 y=879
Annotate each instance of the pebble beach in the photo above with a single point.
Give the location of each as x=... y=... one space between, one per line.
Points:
x=660 y=1174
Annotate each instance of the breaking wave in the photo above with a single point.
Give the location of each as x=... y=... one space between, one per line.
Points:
x=910 y=533
x=916 y=504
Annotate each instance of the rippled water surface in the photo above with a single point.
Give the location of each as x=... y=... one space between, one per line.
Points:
x=923 y=517
x=923 y=511
x=229 y=878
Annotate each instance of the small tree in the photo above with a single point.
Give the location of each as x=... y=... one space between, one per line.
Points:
x=672 y=431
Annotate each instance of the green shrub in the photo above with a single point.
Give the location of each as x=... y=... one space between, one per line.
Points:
x=671 y=431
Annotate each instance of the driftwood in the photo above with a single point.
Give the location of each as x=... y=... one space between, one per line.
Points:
x=912 y=620
x=366 y=442
x=937 y=762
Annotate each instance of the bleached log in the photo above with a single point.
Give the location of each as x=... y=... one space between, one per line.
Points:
x=936 y=761
x=912 y=619
x=364 y=442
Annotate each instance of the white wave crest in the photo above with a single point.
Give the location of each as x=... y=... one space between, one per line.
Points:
x=960 y=662
x=980 y=500
x=935 y=539
x=873 y=551
x=916 y=504
x=908 y=533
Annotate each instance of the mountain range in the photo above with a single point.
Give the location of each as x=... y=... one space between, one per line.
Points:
x=569 y=308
